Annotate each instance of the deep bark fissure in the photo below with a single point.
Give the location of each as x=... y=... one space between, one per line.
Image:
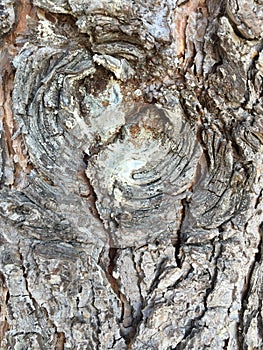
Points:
x=194 y=325
x=137 y=320
x=107 y=240
x=178 y=241
x=126 y=331
x=98 y=322
x=5 y=296
x=241 y=327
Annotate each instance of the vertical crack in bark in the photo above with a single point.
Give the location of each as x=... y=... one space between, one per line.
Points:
x=128 y=332
x=92 y=196
x=179 y=239
x=226 y=342
x=130 y=318
x=125 y=330
x=137 y=319
x=250 y=77
x=193 y=326
x=2 y=145
x=259 y=199
x=113 y=253
x=4 y=298
x=241 y=327
x=24 y=271
x=160 y=269
x=196 y=29
x=98 y=325
x=200 y=138
x=40 y=310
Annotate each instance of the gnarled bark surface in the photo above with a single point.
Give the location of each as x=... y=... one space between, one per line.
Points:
x=131 y=174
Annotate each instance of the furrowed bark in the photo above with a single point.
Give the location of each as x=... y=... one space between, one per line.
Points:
x=131 y=138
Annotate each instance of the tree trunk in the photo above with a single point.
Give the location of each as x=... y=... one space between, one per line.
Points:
x=131 y=174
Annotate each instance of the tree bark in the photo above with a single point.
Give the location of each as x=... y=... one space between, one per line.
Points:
x=131 y=174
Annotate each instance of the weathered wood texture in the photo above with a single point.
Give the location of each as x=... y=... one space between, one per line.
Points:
x=131 y=174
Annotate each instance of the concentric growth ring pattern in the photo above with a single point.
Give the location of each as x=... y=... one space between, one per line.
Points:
x=141 y=175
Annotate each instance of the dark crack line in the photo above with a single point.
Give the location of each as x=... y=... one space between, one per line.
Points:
x=128 y=332
x=98 y=326
x=226 y=342
x=2 y=157
x=179 y=239
x=92 y=197
x=6 y=295
x=251 y=74
x=113 y=255
x=137 y=320
x=24 y=271
x=241 y=327
x=100 y=147
x=193 y=326
x=160 y=269
x=181 y=279
x=38 y=308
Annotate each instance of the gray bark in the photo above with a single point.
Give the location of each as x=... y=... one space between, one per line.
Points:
x=131 y=174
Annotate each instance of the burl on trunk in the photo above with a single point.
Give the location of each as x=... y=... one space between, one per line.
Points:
x=131 y=138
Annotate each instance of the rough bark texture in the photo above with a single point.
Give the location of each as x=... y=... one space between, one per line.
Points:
x=131 y=174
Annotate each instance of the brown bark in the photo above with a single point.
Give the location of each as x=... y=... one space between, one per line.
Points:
x=131 y=174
